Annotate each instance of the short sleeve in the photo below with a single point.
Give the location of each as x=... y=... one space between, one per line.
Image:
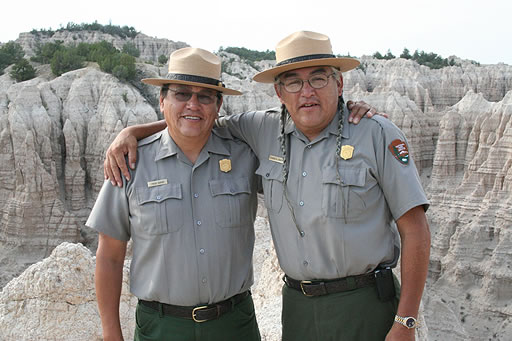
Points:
x=398 y=175
x=110 y=214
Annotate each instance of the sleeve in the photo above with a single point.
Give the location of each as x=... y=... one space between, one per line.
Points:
x=110 y=214
x=398 y=175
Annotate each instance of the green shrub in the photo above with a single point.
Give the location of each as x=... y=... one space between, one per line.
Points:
x=10 y=53
x=44 y=53
x=131 y=49
x=163 y=59
x=66 y=60
x=22 y=71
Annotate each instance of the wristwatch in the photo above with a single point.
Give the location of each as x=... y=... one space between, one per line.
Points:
x=408 y=322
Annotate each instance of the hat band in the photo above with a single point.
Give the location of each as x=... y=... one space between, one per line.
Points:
x=303 y=58
x=195 y=79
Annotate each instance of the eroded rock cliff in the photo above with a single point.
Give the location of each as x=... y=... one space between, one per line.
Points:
x=53 y=134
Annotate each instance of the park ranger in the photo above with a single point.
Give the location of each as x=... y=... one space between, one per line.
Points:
x=343 y=202
x=189 y=210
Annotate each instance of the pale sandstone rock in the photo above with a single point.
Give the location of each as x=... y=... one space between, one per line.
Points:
x=55 y=300
x=53 y=133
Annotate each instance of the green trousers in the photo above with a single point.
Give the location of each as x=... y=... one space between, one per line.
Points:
x=239 y=324
x=356 y=315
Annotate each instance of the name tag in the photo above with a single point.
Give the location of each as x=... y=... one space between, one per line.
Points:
x=157 y=183
x=277 y=159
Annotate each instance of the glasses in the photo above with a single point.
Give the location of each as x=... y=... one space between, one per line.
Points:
x=316 y=82
x=186 y=95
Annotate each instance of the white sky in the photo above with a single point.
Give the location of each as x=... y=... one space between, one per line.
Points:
x=470 y=29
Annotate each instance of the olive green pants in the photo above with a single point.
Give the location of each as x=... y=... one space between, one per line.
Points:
x=346 y=316
x=239 y=324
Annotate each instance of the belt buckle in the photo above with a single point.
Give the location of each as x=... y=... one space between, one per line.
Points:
x=302 y=287
x=194 y=311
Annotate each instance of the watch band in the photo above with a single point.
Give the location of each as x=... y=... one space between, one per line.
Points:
x=408 y=321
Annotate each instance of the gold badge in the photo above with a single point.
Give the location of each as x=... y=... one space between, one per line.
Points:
x=225 y=165
x=346 y=152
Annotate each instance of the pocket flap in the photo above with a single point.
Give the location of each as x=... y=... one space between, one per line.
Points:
x=230 y=186
x=348 y=176
x=159 y=193
x=271 y=171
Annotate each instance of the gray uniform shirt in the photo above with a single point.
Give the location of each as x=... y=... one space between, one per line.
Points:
x=344 y=208
x=191 y=224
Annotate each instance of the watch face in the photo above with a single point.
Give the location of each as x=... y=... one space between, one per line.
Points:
x=410 y=322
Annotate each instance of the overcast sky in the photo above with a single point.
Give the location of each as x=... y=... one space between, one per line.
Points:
x=470 y=29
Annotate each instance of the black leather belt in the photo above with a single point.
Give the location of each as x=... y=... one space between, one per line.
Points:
x=200 y=313
x=319 y=287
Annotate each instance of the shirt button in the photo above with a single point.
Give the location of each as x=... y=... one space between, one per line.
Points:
x=201 y=251
x=267 y=175
x=196 y=195
x=305 y=263
x=304 y=173
x=301 y=203
x=309 y=146
x=158 y=197
x=204 y=280
x=199 y=222
x=302 y=234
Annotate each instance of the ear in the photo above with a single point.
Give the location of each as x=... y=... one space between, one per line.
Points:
x=161 y=101
x=277 y=88
x=340 y=85
x=219 y=103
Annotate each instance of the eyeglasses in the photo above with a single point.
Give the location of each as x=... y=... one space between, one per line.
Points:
x=316 y=81
x=185 y=95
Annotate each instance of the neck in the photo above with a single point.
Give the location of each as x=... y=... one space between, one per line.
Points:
x=190 y=146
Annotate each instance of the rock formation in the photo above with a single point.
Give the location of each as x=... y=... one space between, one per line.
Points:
x=54 y=131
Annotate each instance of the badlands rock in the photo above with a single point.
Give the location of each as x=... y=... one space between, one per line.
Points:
x=150 y=47
x=54 y=134
x=471 y=261
x=55 y=300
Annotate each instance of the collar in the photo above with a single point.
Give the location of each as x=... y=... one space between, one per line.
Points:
x=214 y=144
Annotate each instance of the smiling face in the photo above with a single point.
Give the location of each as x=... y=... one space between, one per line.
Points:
x=190 y=120
x=311 y=109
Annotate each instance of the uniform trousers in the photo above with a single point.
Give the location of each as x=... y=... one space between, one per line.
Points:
x=238 y=324
x=356 y=315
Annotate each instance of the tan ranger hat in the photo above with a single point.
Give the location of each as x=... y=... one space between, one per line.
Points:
x=194 y=66
x=304 y=49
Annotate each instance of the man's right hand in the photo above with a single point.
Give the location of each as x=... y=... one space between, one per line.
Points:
x=124 y=143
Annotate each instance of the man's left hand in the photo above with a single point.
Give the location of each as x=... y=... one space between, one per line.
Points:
x=360 y=109
x=400 y=333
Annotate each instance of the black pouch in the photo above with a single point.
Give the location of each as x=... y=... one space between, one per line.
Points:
x=385 y=284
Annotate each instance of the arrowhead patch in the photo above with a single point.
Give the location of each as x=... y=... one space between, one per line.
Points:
x=400 y=151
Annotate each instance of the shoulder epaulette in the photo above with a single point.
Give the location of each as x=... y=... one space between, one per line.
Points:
x=150 y=139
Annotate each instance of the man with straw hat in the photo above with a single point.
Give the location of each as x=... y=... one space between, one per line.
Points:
x=189 y=209
x=342 y=200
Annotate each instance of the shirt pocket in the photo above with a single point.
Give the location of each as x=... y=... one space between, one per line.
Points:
x=272 y=179
x=343 y=195
x=231 y=202
x=160 y=208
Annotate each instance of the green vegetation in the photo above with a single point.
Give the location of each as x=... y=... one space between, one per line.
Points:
x=22 y=71
x=131 y=49
x=122 y=32
x=431 y=60
x=66 y=58
x=250 y=56
x=10 y=53
x=163 y=59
